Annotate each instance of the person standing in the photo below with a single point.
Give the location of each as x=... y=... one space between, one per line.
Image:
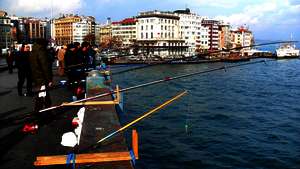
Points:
x=41 y=73
x=61 y=60
x=91 y=60
x=70 y=61
x=10 y=59
x=24 y=70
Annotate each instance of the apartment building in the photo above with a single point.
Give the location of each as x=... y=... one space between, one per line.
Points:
x=125 y=30
x=34 y=29
x=5 y=30
x=83 y=28
x=73 y=28
x=224 y=35
x=213 y=33
x=241 y=37
x=105 y=32
x=158 y=34
x=191 y=31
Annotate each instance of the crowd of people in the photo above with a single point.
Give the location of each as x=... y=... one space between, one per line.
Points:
x=35 y=67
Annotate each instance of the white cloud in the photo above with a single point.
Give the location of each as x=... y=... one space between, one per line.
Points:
x=215 y=3
x=43 y=6
x=267 y=13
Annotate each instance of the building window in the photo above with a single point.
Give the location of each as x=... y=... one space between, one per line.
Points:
x=162 y=27
x=151 y=35
x=151 y=27
x=142 y=35
x=146 y=35
x=146 y=27
x=142 y=27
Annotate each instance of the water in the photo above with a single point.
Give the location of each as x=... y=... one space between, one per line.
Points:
x=246 y=117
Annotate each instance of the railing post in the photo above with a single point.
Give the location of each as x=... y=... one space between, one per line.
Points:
x=135 y=143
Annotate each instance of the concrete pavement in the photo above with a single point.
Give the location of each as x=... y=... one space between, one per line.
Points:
x=18 y=150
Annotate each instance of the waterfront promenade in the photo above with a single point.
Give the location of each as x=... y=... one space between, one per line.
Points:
x=18 y=149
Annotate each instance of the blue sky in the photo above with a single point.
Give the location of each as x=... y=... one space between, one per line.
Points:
x=268 y=19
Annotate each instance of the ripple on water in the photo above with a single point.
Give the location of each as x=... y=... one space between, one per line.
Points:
x=243 y=118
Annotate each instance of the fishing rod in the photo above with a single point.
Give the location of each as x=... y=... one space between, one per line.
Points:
x=142 y=117
x=202 y=54
x=151 y=83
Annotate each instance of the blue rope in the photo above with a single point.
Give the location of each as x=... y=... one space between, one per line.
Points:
x=132 y=157
x=71 y=157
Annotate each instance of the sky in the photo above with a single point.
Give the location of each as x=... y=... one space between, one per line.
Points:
x=268 y=19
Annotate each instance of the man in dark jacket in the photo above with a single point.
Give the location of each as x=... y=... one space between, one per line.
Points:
x=41 y=73
x=24 y=70
x=71 y=62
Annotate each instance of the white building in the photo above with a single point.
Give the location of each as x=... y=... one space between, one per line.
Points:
x=83 y=28
x=241 y=37
x=126 y=30
x=194 y=35
x=97 y=33
x=158 y=34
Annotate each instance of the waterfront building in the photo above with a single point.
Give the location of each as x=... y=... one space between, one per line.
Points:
x=31 y=29
x=241 y=37
x=224 y=35
x=213 y=33
x=105 y=32
x=74 y=28
x=84 y=30
x=125 y=30
x=35 y=29
x=97 y=33
x=63 y=27
x=158 y=34
x=5 y=30
x=191 y=30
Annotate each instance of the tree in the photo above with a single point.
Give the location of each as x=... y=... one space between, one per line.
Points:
x=90 y=38
x=113 y=43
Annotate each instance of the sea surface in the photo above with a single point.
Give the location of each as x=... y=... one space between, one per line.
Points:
x=246 y=117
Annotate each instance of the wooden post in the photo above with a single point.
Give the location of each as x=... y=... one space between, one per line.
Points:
x=135 y=143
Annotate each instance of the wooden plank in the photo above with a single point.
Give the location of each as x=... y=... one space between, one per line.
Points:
x=83 y=158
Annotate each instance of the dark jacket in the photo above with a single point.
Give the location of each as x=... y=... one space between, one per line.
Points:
x=40 y=66
x=22 y=60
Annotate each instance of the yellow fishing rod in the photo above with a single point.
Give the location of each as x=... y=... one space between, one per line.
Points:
x=142 y=117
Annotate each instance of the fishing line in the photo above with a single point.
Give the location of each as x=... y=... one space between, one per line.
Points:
x=188 y=116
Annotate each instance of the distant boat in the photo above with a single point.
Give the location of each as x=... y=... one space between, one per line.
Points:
x=287 y=51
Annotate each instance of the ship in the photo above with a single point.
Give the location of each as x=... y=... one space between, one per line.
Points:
x=287 y=51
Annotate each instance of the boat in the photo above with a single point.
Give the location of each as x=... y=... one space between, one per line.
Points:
x=287 y=50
